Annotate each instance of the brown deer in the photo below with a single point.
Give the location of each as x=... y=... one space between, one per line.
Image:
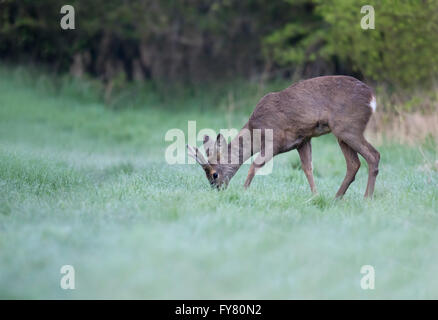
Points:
x=339 y=104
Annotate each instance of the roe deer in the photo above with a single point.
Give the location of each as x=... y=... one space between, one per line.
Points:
x=339 y=104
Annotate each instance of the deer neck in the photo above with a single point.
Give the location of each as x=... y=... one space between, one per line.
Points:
x=239 y=150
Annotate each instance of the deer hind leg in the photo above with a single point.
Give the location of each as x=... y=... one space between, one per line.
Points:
x=353 y=165
x=371 y=155
x=373 y=167
x=305 y=152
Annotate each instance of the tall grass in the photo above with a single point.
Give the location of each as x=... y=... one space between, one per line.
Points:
x=408 y=118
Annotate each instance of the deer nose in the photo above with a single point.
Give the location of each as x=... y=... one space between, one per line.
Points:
x=215 y=185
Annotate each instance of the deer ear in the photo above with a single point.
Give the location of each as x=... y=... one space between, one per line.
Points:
x=209 y=146
x=206 y=138
x=220 y=142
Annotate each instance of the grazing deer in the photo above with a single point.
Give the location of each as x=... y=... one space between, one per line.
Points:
x=339 y=104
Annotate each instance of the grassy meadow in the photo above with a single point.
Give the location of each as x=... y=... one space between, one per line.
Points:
x=87 y=185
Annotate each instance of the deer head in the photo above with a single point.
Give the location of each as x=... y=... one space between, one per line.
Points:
x=215 y=170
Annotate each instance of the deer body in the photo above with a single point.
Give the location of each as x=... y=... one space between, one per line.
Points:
x=339 y=104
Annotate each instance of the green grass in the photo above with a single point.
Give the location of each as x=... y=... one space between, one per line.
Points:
x=87 y=186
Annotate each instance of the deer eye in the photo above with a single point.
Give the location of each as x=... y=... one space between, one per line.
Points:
x=215 y=175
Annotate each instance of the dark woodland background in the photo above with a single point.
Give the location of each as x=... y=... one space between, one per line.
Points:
x=193 y=41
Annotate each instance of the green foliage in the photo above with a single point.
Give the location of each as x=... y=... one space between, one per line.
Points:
x=299 y=43
x=401 y=50
x=191 y=41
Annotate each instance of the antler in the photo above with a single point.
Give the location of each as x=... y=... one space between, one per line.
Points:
x=197 y=155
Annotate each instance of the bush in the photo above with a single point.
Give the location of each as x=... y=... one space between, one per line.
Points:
x=400 y=51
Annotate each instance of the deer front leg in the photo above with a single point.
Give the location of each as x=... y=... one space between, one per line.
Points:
x=305 y=152
x=257 y=164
